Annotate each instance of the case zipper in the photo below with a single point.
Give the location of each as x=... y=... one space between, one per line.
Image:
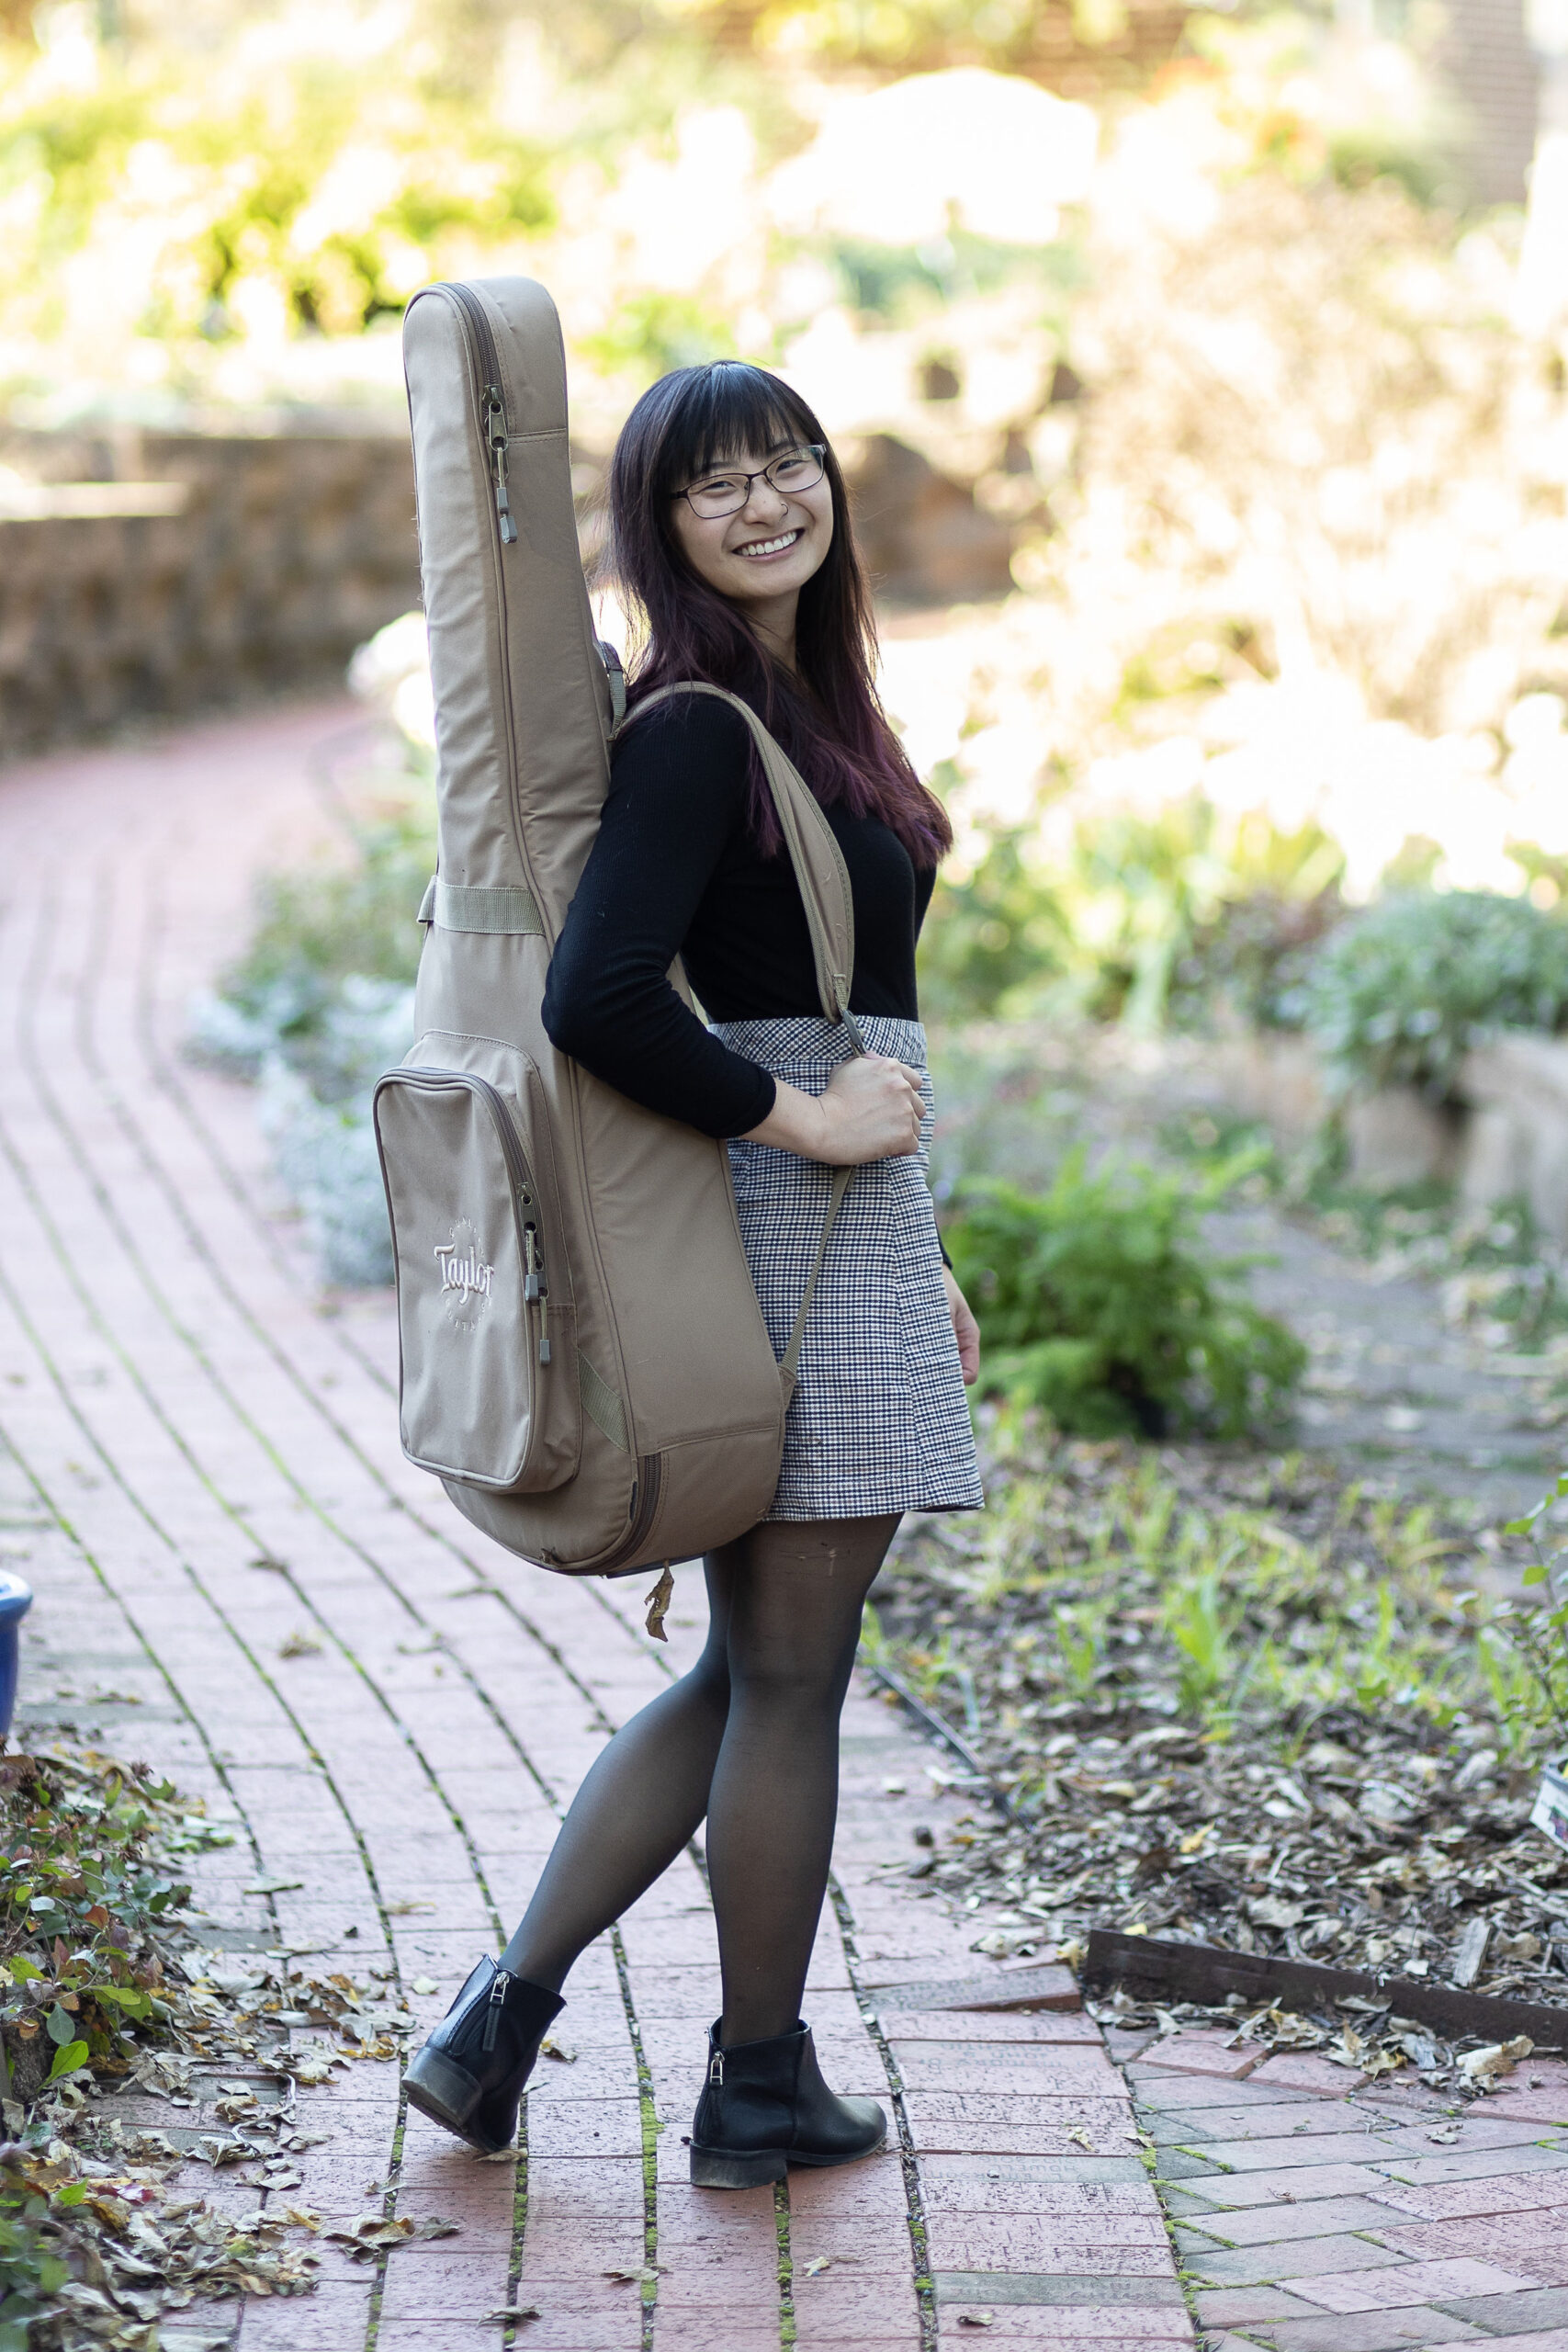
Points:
x=493 y=423
x=649 y=1478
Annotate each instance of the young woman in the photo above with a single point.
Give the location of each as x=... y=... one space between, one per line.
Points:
x=730 y=539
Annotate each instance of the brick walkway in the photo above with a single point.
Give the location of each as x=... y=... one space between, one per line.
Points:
x=1316 y=2211
x=199 y=1462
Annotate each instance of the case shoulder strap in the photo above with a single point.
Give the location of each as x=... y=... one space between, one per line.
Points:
x=817 y=860
x=824 y=880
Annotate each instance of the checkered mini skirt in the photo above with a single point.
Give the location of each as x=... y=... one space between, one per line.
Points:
x=879 y=1421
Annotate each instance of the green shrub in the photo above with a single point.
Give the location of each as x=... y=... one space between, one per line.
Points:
x=1176 y=913
x=997 y=932
x=327 y=923
x=31 y=2273
x=1151 y=921
x=1100 y=1301
x=1397 y=998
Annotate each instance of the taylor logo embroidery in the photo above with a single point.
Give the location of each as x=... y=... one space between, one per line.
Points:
x=467 y=1276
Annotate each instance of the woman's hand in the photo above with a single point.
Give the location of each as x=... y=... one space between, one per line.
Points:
x=966 y=1331
x=871 y=1110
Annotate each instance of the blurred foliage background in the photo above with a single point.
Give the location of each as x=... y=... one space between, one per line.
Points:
x=1199 y=333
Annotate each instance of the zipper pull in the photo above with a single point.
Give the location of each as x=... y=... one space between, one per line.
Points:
x=495 y=435
x=500 y=1985
x=534 y=1287
x=716 y=2069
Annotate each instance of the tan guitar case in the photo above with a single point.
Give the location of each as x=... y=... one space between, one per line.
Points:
x=584 y=1364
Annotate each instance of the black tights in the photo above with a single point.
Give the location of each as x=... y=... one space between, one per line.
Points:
x=749 y=1738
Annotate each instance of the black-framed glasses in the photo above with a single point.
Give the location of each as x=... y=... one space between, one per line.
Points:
x=726 y=493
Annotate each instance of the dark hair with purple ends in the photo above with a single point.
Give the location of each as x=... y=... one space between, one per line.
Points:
x=828 y=717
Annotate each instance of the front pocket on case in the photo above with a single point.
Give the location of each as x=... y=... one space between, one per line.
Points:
x=488 y=1372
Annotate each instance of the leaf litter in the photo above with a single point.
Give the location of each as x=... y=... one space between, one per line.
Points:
x=1230 y=1698
x=105 y=1983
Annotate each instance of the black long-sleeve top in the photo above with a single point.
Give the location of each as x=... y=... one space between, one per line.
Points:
x=675 y=872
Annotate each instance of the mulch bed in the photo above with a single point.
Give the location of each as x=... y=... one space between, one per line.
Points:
x=1230 y=1699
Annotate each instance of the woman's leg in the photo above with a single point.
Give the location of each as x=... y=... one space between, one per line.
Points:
x=749 y=1738
x=797 y=1589
x=643 y=1800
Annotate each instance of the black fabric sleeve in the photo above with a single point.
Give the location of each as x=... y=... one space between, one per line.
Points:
x=677 y=800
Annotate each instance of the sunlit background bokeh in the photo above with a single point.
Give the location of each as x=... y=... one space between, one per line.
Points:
x=1229 y=348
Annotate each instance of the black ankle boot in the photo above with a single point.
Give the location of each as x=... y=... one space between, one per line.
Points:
x=469 y=2074
x=765 y=2107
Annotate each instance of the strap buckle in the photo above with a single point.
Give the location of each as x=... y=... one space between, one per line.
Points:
x=614 y=671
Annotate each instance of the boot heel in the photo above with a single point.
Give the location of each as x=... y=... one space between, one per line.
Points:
x=469 y=2076
x=716 y=2169
x=445 y=2092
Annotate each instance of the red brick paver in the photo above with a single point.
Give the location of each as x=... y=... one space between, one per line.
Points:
x=1317 y=2212
x=198 y=1461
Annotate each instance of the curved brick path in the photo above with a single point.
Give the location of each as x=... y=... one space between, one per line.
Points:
x=199 y=1459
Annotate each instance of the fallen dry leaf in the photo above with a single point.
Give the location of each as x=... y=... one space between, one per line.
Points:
x=313 y=2070
x=1498 y=2058
x=373 y=2232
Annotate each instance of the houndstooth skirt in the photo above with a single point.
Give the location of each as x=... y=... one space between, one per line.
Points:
x=879 y=1421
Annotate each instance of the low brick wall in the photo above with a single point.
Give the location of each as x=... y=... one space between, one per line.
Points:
x=1507 y=1138
x=275 y=554
x=164 y=572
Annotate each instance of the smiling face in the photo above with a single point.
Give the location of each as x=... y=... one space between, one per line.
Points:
x=761 y=556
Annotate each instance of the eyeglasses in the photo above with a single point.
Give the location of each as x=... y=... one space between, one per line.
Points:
x=719 y=494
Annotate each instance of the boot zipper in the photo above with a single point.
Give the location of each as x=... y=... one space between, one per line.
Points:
x=496 y=432
x=716 y=2069
x=500 y=1985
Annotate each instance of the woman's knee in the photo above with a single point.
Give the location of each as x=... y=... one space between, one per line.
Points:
x=795 y=1593
x=803 y=1675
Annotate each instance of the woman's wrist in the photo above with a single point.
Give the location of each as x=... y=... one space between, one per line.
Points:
x=796 y=1123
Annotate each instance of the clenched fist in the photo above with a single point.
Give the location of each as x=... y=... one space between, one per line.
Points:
x=871 y=1110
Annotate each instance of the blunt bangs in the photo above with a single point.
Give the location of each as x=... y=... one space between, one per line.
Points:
x=719 y=412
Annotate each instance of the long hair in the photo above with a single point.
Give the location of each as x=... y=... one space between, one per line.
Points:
x=828 y=717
